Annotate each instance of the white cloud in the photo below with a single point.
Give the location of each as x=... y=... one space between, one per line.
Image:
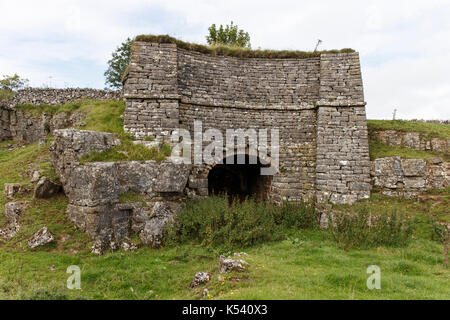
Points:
x=403 y=44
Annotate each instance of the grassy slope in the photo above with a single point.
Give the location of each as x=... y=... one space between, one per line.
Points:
x=310 y=268
x=431 y=129
x=381 y=150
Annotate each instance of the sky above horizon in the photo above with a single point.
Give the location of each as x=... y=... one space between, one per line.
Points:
x=404 y=45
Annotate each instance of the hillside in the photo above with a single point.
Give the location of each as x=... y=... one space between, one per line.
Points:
x=304 y=263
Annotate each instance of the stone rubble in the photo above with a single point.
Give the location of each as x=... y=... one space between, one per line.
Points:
x=40 y=238
x=228 y=265
x=12 y=189
x=200 y=278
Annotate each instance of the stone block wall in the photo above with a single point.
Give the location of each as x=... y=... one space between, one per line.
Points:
x=343 y=163
x=167 y=88
x=409 y=178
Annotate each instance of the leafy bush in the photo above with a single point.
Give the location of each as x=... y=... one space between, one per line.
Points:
x=364 y=230
x=213 y=222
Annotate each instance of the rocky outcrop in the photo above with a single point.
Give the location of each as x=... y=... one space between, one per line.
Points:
x=409 y=177
x=412 y=140
x=94 y=188
x=17 y=124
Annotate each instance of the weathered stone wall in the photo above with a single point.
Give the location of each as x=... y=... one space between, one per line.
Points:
x=409 y=178
x=17 y=124
x=297 y=130
x=206 y=79
x=412 y=140
x=39 y=96
x=29 y=127
x=167 y=88
x=343 y=163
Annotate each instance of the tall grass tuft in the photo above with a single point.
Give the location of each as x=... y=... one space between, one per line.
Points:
x=365 y=230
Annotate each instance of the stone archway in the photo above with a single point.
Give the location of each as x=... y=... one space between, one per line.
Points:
x=239 y=181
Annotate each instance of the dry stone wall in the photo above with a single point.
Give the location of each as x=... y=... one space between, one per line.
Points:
x=316 y=103
x=49 y=96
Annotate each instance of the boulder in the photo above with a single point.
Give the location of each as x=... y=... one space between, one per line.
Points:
x=228 y=265
x=161 y=214
x=40 y=238
x=9 y=232
x=13 y=210
x=199 y=279
x=45 y=188
x=12 y=189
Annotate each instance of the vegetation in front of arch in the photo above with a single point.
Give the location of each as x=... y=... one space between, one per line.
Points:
x=214 y=223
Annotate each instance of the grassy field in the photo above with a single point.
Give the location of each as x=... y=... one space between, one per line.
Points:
x=434 y=130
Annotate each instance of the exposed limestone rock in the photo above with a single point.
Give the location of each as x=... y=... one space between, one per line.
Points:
x=13 y=210
x=9 y=232
x=412 y=140
x=199 y=279
x=36 y=176
x=408 y=177
x=40 y=238
x=228 y=265
x=12 y=189
x=161 y=214
x=45 y=188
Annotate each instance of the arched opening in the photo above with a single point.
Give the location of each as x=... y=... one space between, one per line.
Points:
x=239 y=181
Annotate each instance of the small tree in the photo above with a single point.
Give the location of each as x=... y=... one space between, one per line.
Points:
x=10 y=84
x=229 y=36
x=118 y=64
x=13 y=83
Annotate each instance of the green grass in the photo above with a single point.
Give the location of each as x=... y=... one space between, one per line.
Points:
x=105 y=116
x=236 y=51
x=310 y=268
x=306 y=265
x=381 y=150
x=433 y=130
x=433 y=207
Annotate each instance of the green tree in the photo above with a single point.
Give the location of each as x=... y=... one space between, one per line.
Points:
x=10 y=84
x=230 y=35
x=118 y=64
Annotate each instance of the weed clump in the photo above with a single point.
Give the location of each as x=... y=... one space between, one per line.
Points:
x=365 y=230
x=214 y=223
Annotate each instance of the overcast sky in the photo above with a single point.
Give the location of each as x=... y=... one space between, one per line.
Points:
x=404 y=44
